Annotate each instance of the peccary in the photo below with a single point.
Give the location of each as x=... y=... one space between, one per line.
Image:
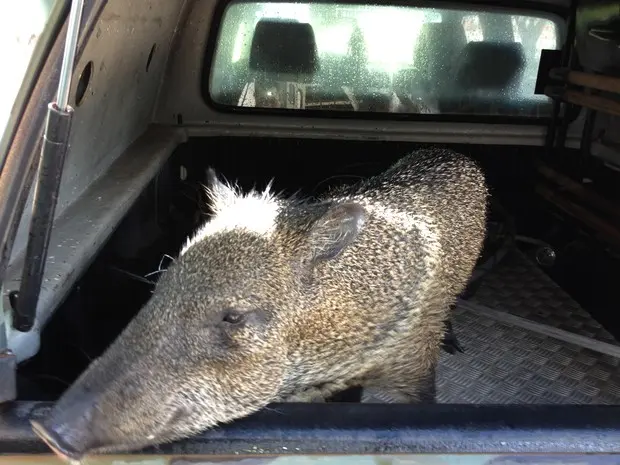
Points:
x=284 y=299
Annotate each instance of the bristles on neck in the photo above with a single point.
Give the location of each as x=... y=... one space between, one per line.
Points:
x=253 y=212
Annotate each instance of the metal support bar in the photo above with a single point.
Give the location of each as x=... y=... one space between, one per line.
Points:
x=21 y=143
x=51 y=164
x=17 y=169
x=68 y=59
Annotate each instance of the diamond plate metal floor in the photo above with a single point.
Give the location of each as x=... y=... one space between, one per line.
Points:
x=521 y=288
x=505 y=363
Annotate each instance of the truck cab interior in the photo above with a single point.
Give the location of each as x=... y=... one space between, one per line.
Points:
x=315 y=95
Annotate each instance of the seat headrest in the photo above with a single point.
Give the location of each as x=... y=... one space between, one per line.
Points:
x=490 y=65
x=438 y=45
x=285 y=48
x=447 y=37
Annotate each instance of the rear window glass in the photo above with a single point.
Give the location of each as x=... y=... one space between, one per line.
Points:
x=380 y=58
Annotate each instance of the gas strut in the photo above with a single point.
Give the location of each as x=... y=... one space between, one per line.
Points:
x=51 y=163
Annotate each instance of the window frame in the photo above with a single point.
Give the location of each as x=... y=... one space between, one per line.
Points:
x=556 y=13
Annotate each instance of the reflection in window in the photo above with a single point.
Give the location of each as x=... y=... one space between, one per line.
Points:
x=332 y=57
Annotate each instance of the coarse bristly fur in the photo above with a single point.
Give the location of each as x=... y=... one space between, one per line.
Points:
x=275 y=299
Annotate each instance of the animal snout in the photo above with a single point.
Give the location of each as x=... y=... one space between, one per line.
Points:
x=69 y=432
x=57 y=441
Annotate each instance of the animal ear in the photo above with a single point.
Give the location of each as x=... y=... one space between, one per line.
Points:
x=335 y=230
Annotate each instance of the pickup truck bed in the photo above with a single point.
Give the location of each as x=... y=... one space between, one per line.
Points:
x=526 y=341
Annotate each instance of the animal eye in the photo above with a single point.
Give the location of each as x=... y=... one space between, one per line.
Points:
x=233 y=317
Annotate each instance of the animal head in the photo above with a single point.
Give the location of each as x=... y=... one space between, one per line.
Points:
x=221 y=336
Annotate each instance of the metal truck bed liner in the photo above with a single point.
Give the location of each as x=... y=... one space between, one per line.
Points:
x=521 y=288
x=526 y=341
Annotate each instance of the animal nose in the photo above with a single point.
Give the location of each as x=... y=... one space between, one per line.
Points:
x=69 y=431
x=55 y=441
